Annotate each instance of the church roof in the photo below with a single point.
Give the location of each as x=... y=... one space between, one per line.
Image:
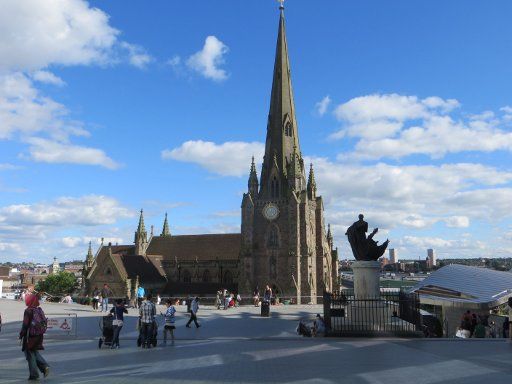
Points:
x=131 y=265
x=202 y=247
x=147 y=268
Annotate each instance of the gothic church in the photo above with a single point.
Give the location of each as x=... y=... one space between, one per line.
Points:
x=283 y=241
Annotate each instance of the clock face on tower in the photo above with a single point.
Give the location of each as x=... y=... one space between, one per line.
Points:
x=270 y=211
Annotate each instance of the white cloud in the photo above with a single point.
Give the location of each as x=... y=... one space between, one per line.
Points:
x=396 y=126
x=8 y=167
x=232 y=158
x=24 y=111
x=26 y=115
x=48 y=78
x=35 y=34
x=322 y=105
x=48 y=151
x=208 y=60
x=83 y=242
x=137 y=56
x=413 y=197
x=87 y=210
x=457 y=222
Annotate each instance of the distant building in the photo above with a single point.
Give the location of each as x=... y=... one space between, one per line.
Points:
x=431 y=258
x=393 y=256
x=454 y=289
x=55 y=268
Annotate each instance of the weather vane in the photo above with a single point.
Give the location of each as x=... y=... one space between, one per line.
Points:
x=282 y=4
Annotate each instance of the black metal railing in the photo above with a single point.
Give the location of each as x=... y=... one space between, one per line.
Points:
x=391 y=314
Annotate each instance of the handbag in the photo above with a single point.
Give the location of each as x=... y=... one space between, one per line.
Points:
x=116 y=321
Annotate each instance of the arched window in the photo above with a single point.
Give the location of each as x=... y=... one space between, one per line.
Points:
x=108 y=271
x=274 y=187
x=187 y=277
x=288 y=129
x=273 y=238
x=206 y=276
x=228 y=277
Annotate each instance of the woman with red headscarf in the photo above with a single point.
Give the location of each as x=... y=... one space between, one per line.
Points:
x=32 y=331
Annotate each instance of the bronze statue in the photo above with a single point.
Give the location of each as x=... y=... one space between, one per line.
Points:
x=364 y=248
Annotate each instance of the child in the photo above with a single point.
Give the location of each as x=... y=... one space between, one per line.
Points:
x=170 y=319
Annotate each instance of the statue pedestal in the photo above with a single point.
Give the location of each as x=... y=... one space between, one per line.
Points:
x=366 y=279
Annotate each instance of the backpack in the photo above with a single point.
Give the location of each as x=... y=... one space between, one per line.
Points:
x=38 y=325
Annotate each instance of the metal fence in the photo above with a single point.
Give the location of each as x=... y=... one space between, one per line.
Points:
x=391 y=314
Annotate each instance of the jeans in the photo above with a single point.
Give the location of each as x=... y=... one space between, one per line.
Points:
x=115 y=339
x=193 y=317
x=147 y=333
x=35 y=362
x=104 y=304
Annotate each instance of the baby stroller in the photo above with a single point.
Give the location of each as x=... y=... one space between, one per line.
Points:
x=153 y=336
x=107 y=331
x=304 y=329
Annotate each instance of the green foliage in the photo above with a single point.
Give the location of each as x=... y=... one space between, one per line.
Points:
x=58 y=284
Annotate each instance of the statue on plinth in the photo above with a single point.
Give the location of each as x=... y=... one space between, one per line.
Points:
x=363 y=248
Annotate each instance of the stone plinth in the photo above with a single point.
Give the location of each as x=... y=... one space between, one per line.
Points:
x=366 y=279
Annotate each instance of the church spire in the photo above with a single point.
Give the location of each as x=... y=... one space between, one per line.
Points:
x=141 y=236
x=89 y=260
x=311 y=183
x=282 y=132
x=253 y=184
x=329 y=236
x=141 y=228
x=165 y=229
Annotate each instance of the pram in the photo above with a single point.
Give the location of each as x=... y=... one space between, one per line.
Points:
x=303 y=329
x=107 y=331
x=153 y=336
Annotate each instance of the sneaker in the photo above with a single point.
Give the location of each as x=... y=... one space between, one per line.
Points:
x=198 y=325
x=33 y=378
x=46 y=371
x=188 y=326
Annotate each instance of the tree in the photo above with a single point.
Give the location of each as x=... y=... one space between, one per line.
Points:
x=58 y=284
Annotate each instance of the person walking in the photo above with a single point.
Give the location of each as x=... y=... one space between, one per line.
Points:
x=193 y=312
x=147 y=313
x=95 y=298
x=267 y=295
x=117 y=311
x=170 y=319
x=32 y=334
x=106 y=293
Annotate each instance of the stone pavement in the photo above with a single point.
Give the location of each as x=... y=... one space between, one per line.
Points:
x=238 y=346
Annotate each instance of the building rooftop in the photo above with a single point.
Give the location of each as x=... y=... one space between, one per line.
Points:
x=482 y=287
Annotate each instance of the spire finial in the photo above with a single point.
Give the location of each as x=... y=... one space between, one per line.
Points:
x=281 y=6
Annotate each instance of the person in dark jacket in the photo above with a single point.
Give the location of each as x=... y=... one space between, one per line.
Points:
x=117 y=312
x=31 y=334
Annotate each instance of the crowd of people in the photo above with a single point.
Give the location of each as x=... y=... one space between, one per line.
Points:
x=225 y=299
x=473 y=325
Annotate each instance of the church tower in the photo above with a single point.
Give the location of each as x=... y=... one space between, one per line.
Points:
x=284 y=243
x=141 y=237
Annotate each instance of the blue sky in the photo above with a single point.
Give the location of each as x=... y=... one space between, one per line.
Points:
x=108 y=107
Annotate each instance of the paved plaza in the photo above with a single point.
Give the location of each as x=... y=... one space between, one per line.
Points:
x=238 y=346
